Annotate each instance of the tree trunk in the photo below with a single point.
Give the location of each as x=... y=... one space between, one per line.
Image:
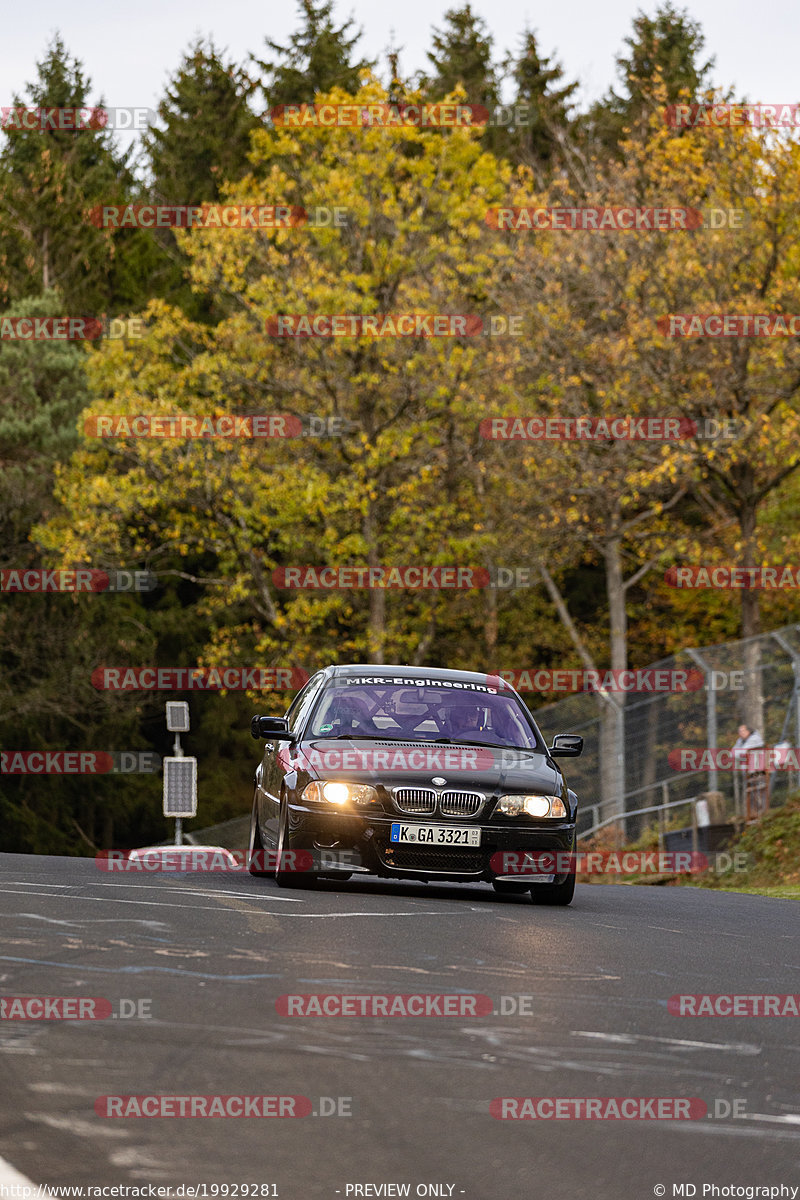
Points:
x=612 y=733
x=46 y=260
x=617 y=614
x=490 y=628
x=376 y=629
x=614 y=719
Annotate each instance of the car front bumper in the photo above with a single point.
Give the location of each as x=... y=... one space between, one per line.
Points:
x=354 y=842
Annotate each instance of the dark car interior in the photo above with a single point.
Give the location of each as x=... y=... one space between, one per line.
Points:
x=421 y=714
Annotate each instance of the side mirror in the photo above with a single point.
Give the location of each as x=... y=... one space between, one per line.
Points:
x=566 y=745
x=272 y=728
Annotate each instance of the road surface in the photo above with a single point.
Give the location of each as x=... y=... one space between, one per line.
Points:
x=201 y=960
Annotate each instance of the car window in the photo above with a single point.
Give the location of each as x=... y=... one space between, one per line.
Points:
x=303 y=701
x=421 y=713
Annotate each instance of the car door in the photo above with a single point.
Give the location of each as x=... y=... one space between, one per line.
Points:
x=272 y=772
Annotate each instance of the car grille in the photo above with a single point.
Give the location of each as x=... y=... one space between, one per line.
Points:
x=450 y=803
x=415 y=800
x=409 y=858
x=460 y=804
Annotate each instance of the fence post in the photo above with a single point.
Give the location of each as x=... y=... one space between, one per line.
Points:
x=711 y=713
x=795 y=657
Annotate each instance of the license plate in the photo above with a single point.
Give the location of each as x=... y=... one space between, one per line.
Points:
x=436 y=835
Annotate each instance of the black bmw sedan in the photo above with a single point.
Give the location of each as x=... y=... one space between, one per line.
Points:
x=413 y=773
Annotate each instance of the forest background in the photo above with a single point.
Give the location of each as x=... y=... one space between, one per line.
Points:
x=406 y=477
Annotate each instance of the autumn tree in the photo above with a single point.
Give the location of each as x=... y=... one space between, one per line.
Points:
x=746 y=180
x=599 y=299
x=373 y=496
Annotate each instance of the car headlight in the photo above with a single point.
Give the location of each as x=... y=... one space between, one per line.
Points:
x=340 y=794
x=532 y=806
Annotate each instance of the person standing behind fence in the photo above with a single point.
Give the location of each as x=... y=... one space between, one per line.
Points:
x=756 y=784
x=748 y=739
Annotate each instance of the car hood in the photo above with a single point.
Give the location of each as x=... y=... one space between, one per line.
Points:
x=415 y=764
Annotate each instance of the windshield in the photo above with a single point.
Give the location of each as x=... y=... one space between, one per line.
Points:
x=429 y=712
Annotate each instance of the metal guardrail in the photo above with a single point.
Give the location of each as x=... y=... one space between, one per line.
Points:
x=659 y=809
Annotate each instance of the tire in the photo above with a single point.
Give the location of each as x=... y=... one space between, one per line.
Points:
x=510 y=887
x=289 y=879
x=554 y=893
x=255 y=849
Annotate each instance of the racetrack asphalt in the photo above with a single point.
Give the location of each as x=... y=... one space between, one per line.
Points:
x=201 y=960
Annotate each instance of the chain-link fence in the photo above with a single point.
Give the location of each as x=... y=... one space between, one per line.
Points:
x=756 y=681
x=758 y=678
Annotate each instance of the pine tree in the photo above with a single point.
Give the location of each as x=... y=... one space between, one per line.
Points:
x=667 y=46
x=42 y=390
x=544 y=106
x=319 y=57
x=49 y=181
x=462 y=54
x=207 y=122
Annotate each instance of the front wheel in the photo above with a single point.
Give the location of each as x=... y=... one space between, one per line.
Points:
x=255 y=851
x=509 y=887
x=554 y=893
x=290 y=878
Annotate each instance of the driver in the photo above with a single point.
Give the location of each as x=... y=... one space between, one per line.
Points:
x=467 y=720
x=351 y=713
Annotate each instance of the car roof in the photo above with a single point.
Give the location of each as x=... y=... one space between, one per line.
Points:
x=428 y=674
